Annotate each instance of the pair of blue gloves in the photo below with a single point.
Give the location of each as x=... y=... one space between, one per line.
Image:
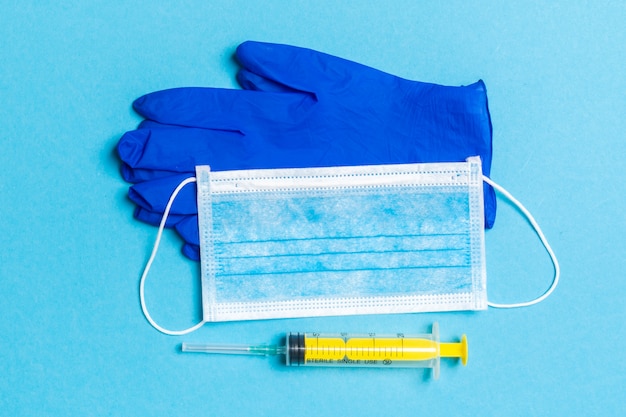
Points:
x=298 y=108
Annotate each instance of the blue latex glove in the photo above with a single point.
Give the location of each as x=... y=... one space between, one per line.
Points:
x=311 y=109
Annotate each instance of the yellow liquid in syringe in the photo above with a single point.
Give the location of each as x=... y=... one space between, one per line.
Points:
x=320 y=348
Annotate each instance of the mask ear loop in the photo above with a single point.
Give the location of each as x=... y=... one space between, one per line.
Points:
x=544 y=241
x=155 y=248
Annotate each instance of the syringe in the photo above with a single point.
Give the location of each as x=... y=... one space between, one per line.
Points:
x=397 y=350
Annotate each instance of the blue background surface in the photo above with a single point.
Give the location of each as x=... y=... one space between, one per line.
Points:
x=74 y=341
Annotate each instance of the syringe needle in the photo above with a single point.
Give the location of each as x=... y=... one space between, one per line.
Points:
x=262 y=350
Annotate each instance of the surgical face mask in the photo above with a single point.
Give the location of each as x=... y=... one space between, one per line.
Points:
x=283 y=243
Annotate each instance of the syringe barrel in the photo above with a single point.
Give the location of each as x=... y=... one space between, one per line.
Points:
x=396 y=350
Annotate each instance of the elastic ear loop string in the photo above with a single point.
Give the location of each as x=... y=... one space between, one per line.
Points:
x=155 y=248
x=544 y=241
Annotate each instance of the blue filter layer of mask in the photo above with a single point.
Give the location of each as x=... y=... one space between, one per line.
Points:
x=346 y=243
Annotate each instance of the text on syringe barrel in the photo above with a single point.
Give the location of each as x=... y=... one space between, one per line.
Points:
x=344 y=349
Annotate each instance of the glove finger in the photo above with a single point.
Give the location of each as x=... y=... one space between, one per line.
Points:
x=154 y=195
x=299 y=68
x=135 y=175
x=132 y=149
x=251 y=81
x=191 y=251
x=222 y=109
x=490 y=205
x=154 y=219
x=158 y=151
x=187 y=228
x=177 y=149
